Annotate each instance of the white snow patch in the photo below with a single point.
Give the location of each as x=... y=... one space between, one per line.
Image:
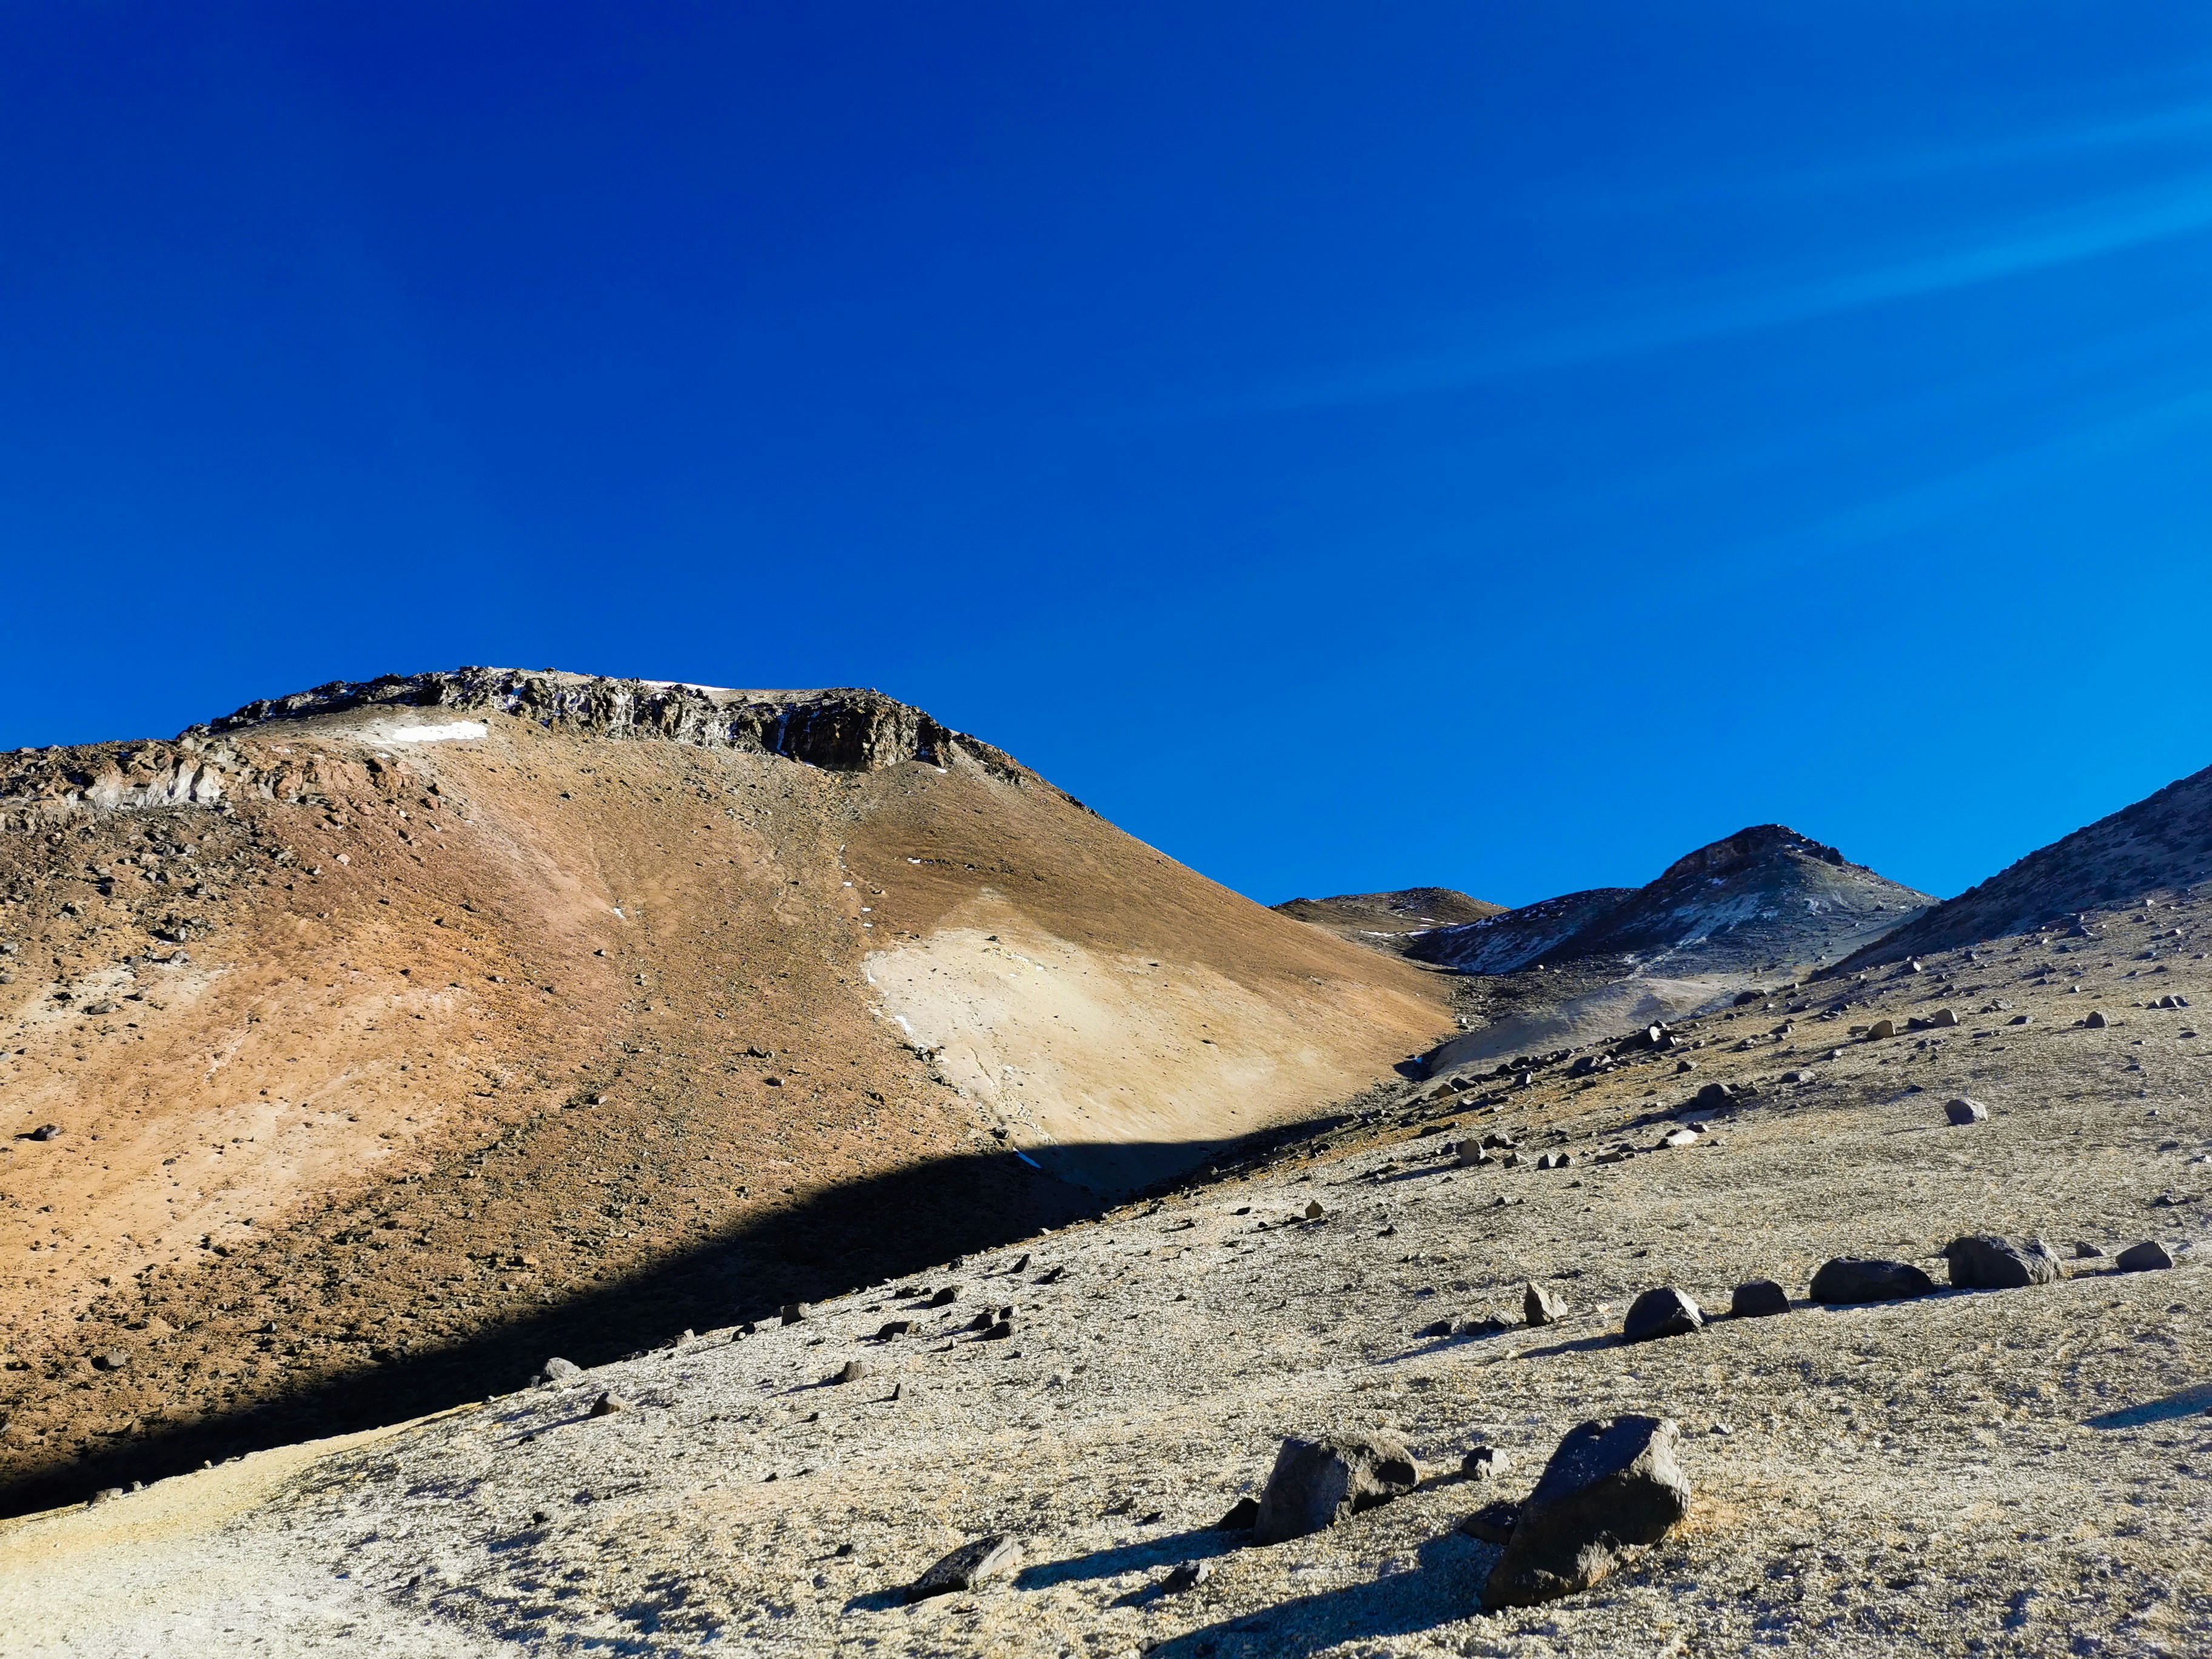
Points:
x=453 y=732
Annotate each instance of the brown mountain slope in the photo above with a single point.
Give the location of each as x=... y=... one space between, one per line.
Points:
x=2162 y=842
x=386 y=1028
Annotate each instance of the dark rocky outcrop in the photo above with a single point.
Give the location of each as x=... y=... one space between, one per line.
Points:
x=2162 y=841
x=1612 y=1486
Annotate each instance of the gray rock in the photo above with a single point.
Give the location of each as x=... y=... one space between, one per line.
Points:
x=45 y=1132
x=111 y=1359
x=1881 y=1030
x=854 y=1371
x=1984 y=1261
x=1611 y=1486
x=2145 y=1257
x=1799 y=1076
x=998 y=1333
x=1713 y=1096
x=1483 y=1463
x=1186 y=1576
x=1849 y=1278
x=608 y=1404
x=946 y=1296
x=1758 y=1299
x=1962 y=1110
x=562 y=1370
x=2021 y=1019
x=1317 y=1483
x=2085 y=1251
x=2096 y=1021
x=1943 y=1018
x=1542 y=1307
x=1664 y=1312
x=794 y=1312
x=973 y=1562
x=1493 y=1523
x=892 y=1328
x=1438 y=1327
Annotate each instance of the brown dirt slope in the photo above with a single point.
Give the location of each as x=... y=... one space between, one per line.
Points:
x=2162 y=841
x=398 y=1034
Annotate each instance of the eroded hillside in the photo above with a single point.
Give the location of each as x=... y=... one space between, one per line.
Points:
x=388 y=1032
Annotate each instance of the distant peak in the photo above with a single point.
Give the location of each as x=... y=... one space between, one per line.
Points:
x=1759 y=842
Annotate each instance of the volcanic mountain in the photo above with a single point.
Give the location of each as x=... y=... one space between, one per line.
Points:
x=1390 y=920
x=1764 y=901
x=2160 y=843
x=367 y=1045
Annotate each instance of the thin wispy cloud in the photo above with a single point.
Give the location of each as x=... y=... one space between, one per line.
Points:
x=1774 y=300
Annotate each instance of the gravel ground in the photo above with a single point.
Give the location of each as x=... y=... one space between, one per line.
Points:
x=2020 y=1471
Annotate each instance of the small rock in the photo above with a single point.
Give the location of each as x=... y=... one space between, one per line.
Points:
x=1242 y=1515
x=1759 y=1298
x=946 y=1295
x=795 y=1313
x=892 y=1328
x=1800 y=1076
x=1881 y=1029
x=562 y=1370
x=1943 y=1016
x=2085 y=1251
x=105 y=1495
x=1612 y=1486
x=45 y=1132
x=1713 y=1096
x=2143 y=1258
x=2021 y=1019
x=1540 y=1306
x=1984 y=1261
x=1681 y=1137
x=608 y=1404
x=1020 y=1263
x=973 y=1562
x=1962 y=1110
x=1665 y=1312
x=1314 y=1211
x=1317 y=1483
x=113 y=1359
x=1441 y=1327
x=1187 y=1575
x=854 y=1370
x=1483 y=1463
x=998 y=1333
x=1493 y=1523
x=1854 y=1278
x=2096 y=1021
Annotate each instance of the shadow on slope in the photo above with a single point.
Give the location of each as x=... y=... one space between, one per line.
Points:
x=907 y=1222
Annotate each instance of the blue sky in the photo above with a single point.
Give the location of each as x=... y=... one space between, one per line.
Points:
x=1350 y=447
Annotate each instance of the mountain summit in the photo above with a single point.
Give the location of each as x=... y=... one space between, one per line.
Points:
x=1765 y=902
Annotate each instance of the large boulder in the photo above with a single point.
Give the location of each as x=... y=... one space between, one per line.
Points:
x=1983 y=1261
x=1757 y=1298
x=1611 y=1486
x=2149 y=1256
x=1659 y=1313
x=1316 y=1483
x=1855 y=1279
